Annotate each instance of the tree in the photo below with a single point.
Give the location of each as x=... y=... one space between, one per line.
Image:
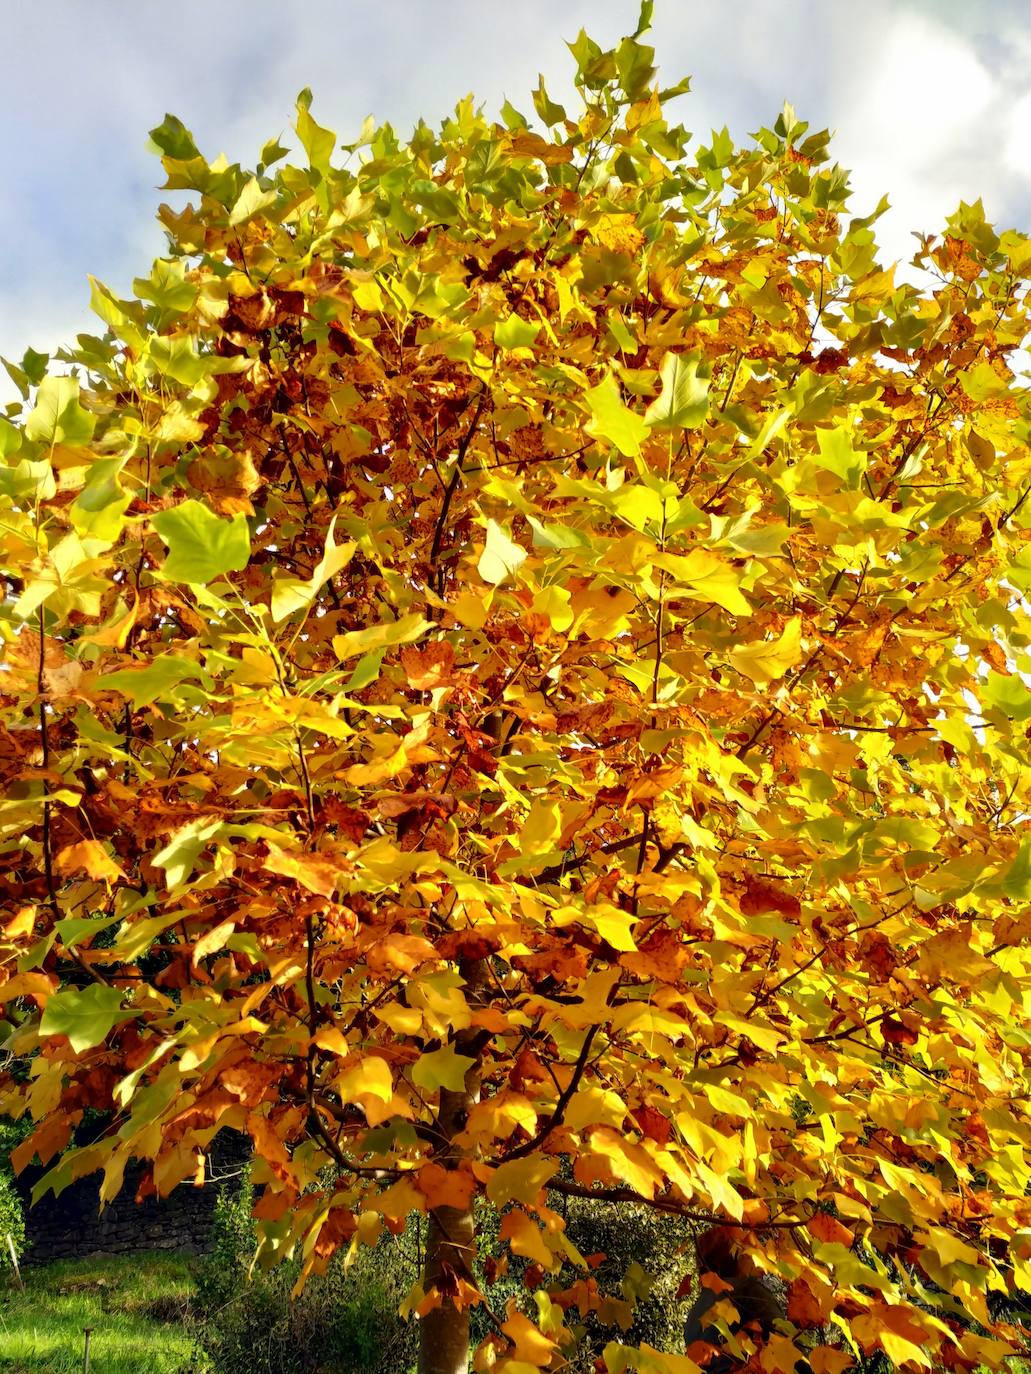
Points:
x=515 y=688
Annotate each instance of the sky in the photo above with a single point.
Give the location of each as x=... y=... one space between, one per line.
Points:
x=930 y=101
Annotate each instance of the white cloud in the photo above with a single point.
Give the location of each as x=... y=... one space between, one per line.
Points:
x=908 y=116
x=926 y=110
x=1016 y=147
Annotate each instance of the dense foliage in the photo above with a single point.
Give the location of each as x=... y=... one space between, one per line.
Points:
x=346 y=1319
x=514 y=687
x=12 y=1213
x=247 y=1320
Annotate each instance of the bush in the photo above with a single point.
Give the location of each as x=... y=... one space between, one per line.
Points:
x=344 y=1321
x=12 y=1215
x=646 y=1256
x=638 y=1258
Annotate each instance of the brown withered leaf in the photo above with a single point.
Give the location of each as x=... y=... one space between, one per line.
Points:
x=227 y=477
x=430 y=667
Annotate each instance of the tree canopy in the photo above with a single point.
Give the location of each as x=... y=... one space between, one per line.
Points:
x=514 y=685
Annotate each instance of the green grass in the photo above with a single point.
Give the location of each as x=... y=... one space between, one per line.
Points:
x=137 y=1305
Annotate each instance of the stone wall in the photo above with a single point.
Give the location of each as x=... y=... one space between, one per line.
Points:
x=72 y=1226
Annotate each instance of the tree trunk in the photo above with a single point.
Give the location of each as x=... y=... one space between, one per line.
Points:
x=444 y=1332
x=451 y=1233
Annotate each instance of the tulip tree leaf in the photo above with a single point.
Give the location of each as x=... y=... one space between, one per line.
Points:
x=683 y=402
x=201 y=546
x=86 y=1015
x=57 y=417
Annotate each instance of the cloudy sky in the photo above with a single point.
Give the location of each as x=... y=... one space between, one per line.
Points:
x=931 y=101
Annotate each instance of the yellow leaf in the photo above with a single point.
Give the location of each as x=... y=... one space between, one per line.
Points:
x=472 y=608
x=501 y=557
x=525 y=1239
x=531 y=1344
x=213 y=940
x=706 y=577
x=293 y=593
x=521 y=1180
x=401 y=1020
x=541 y=828
x=371 y=1075
x=613 y=1157
x=114 y=634
x=770 y=659
x=949 y=1248
x=22 y=923
x=554 y=602
x=404 y=630
x=595 y=1107
x=720 y=1190
x=612 y=924
x=317 y=874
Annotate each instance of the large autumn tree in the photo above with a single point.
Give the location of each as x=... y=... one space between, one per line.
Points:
x=514 y=687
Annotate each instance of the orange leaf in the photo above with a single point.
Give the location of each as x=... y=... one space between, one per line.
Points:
x=445 y=1187
x=89 y=857
x=824 y=1227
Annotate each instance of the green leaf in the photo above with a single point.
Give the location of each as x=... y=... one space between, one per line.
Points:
x=34 y=365
x=58 y=418
x=166 y=287
x=550 y=113
x=113 y=312
x=176 y=357
x=837 y=454
x=182 y=851
x=250 y=202
x=515 y=332
x=683 y=402
x=10 y=438
x=513 y=119
x=1016 y=882
x=1008 y=694
x=272 y=152
x=98 y=510
x=317 y=142
x=173 y=139
x=441 y=1068
x=612 y=420
x=85 y=1015
x=366 y=671
x=157 y=681
x=635 y=63
x=28 y=480
x=644 y=20
x=439 y=202
x=201 y=547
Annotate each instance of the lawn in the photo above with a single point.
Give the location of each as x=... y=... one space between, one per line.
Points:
x=137 y=1305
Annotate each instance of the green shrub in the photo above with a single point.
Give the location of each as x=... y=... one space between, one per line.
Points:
x=12 y=1220
x=12 y=1215
x=344 y=1322
x=645 y=1256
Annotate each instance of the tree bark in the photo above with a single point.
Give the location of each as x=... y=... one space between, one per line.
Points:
x=451 y=1233
x=450 y=1239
